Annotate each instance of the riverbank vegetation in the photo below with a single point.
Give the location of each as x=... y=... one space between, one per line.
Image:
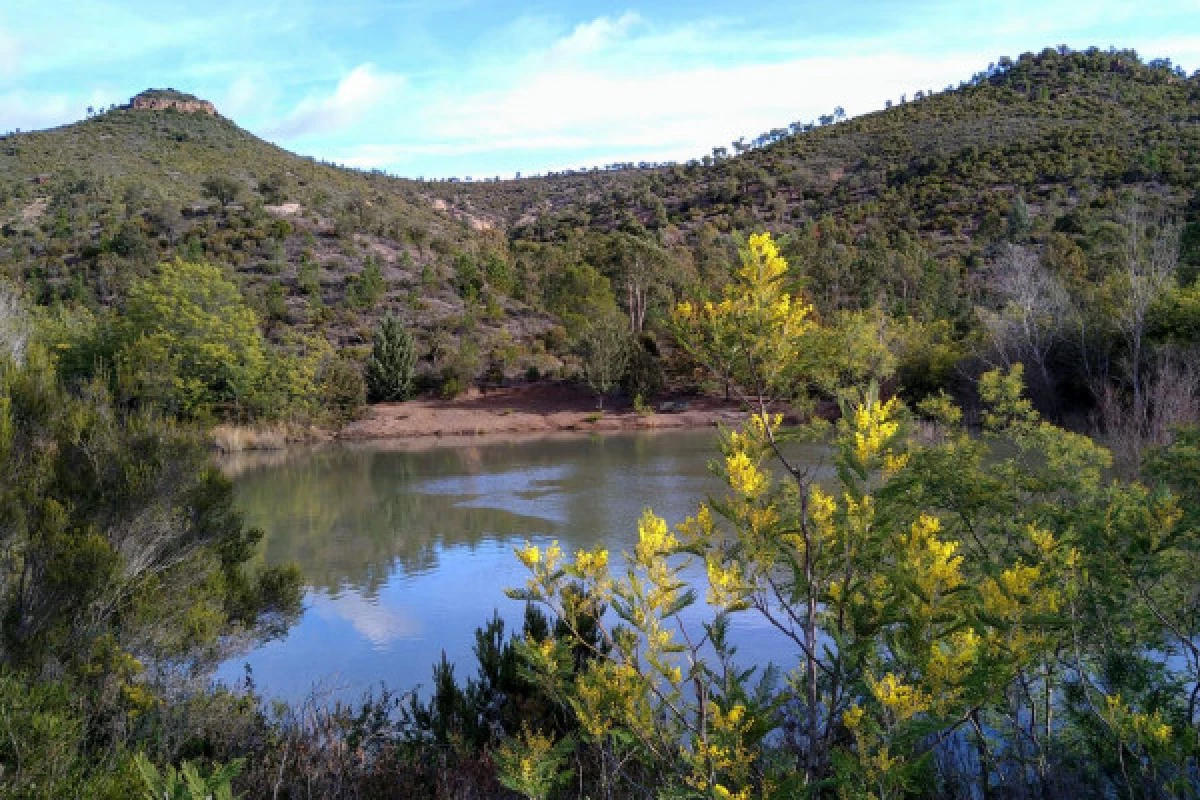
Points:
x=992 y=612
x=985 y=602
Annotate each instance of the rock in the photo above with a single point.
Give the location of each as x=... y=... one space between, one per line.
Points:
x=171 y=100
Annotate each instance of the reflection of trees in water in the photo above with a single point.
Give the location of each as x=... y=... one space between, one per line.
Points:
x=349 y=517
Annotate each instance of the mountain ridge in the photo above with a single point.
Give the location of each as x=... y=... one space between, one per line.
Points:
x=934 y=182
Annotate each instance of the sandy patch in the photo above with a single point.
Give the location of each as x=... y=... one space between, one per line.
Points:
x=32 y=212
x=526 y=410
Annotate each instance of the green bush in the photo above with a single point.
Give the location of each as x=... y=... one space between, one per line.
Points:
x=392 y=362
x=189 y=342
x=343 y=388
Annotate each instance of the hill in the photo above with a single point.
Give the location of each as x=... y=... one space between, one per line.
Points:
x=88 y=207
x=901 y=210
x=1052 y=127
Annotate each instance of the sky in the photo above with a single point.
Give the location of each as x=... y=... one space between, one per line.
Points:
x=483 y=88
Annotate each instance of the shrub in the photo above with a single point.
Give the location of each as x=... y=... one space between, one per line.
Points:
x=189 y=341
x=393 y=359
x=343 y=388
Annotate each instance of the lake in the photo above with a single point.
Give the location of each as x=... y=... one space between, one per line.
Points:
x=406 y=548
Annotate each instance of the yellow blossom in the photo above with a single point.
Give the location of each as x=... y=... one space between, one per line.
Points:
x=874 y=426
x=654 y=537
x=1044 y=539
x=901 y=699
x=744 y=477
x=852 y=717
x=529 y=555
x=934 y=562
x=724 y=584
x=591 y=563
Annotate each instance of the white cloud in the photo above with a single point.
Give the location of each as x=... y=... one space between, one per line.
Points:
x=31 y=111
x=591 y=37
x=358 y=93
x=243 y=97
x=377 y=623
x=617 y=88
x=683 y=113
x=10 y=54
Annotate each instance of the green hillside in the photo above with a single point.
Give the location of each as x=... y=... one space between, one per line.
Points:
x=1058 y=128
x=89 y=207
x=900 y=210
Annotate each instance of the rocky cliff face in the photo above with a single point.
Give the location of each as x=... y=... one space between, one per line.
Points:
x=148 y=101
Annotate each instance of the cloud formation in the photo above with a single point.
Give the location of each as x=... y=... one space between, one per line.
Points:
x=358 y=93
x=469 y=88
x=378 y=623
x=592 y=36
x=32 y=110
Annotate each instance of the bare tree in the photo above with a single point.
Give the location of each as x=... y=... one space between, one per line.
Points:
x=1150 y=264
x=1030 y=323
x=641 y=264
x=1171 y=397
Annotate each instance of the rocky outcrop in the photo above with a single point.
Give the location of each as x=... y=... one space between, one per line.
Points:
x=171 y=101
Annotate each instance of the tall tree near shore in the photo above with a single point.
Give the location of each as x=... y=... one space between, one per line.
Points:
x=640 y=268
x=392 y=364
x=604 y=347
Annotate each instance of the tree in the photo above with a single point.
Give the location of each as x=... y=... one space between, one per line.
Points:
x=370 y=285
x=342 y=386
x=1149 y=266
x=221 y=188
x=391 y=366
x=188 y=341
x=576 y=293
x=604 y=348
x=1036 y=309
x=1019 y=222
x=273 y=188
x=126 y=532
x=640 y=264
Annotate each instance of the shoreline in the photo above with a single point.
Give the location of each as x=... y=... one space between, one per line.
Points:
x=524 y=410
x=514 y=413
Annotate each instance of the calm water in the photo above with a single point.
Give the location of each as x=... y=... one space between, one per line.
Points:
x=406 y=552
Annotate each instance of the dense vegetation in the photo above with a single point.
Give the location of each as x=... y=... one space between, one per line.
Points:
x=983 y=604
x=906 y=213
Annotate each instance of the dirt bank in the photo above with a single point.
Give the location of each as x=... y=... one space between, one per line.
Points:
x=529 y=409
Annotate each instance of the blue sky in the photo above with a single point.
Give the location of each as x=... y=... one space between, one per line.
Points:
x=472 y=87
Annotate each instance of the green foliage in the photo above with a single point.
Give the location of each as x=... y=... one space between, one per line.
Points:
x=188 y=782
x=343 y=388
x=44 y=750
x=1175 y=318
x=604 y=348
x=990 y=593
x=390 y=368
x=188 y=341
x=578 y=293
x=533 y=764
x=369 y=287
x=644 y=376
x=468 y=280
x=221 y=188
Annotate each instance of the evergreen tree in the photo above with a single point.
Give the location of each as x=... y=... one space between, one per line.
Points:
x=392 y=362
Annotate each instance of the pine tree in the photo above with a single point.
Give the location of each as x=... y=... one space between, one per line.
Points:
x=392 y=362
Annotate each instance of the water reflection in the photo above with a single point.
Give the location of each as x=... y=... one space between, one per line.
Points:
x=406 y=550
